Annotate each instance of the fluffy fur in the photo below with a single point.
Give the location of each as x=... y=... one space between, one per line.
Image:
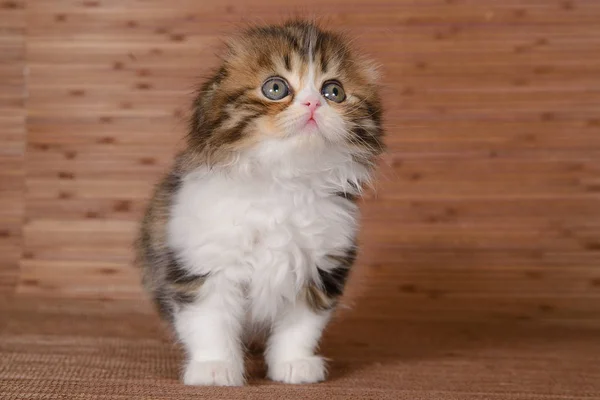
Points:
x=254 y=227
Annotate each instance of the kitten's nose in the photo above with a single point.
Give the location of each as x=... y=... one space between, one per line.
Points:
x=312 y=103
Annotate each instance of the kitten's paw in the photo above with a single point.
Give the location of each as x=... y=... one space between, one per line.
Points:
x=301 y=370
x=213 y=373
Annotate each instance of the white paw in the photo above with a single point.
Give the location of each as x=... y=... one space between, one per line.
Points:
x=213 y=373
x=301 y=370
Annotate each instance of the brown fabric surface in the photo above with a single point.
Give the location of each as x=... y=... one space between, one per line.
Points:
x=118 y=350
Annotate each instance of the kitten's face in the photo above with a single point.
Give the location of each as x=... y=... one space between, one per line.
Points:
x=292 y=83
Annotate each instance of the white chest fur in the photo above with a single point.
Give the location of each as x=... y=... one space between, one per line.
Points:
x=263 y=232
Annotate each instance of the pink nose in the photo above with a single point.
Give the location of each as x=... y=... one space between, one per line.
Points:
x=312 y=103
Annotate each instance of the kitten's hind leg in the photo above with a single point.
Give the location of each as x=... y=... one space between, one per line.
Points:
x=210 y=329
x=290 y=353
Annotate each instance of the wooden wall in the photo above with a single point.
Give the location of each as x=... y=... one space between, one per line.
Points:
x=489 y=197
x=12 y=141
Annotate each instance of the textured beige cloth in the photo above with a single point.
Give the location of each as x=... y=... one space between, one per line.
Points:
x=89 y=350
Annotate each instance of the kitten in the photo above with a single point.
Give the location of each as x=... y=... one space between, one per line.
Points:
x=255 y=224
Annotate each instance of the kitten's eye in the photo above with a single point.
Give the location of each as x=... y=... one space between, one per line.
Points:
x=275 y=88
x=333 y=91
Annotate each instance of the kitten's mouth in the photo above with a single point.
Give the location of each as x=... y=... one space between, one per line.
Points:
x=308 y=125
x=311 y=123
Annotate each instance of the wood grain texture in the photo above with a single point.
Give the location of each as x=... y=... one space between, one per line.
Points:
x=490 y=189
x=12 y=141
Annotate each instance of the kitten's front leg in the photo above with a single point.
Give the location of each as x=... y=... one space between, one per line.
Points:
x=210 y=329
x=291 y=347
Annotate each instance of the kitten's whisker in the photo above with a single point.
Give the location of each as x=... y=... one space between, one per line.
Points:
x=359 y=106
x=364 y=142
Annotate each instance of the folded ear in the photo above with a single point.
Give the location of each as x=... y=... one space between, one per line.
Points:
x=370 y=69
x=203 y=112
